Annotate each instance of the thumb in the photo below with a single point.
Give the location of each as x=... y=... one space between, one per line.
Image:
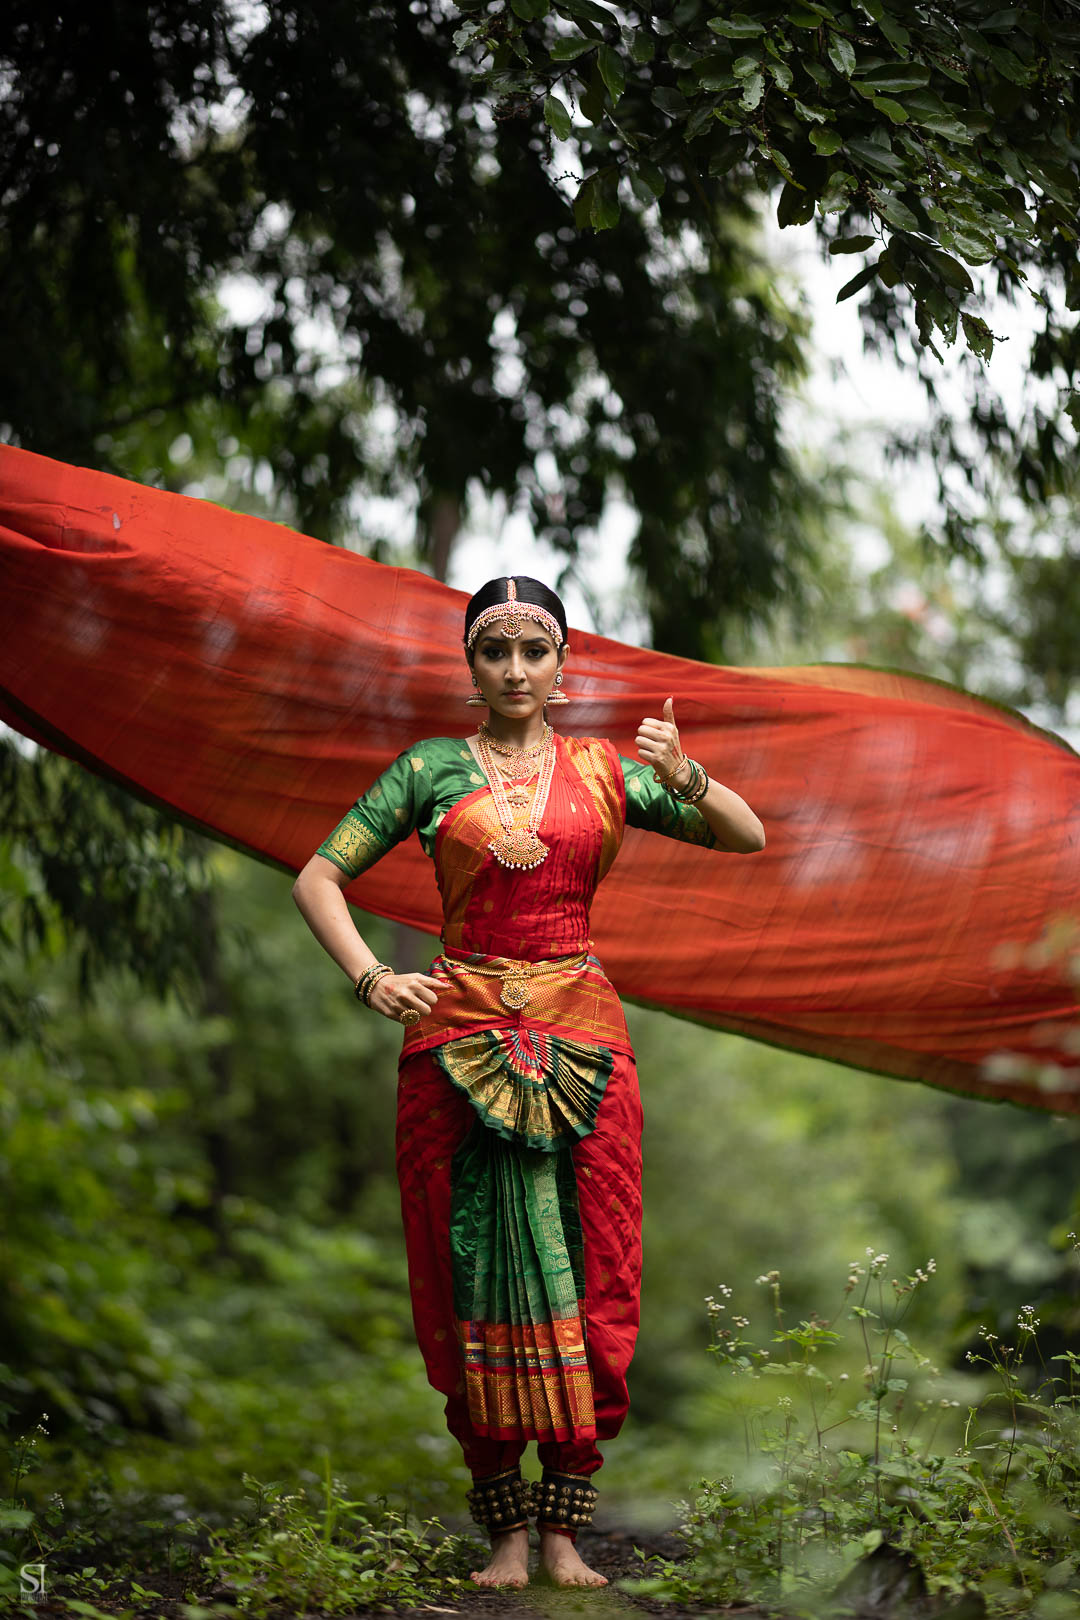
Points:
x=669 y=710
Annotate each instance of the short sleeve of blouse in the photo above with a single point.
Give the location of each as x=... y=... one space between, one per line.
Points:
x=651 y=806
x=394 y=805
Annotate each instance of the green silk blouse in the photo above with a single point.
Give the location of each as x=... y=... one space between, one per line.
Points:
x=428 y=778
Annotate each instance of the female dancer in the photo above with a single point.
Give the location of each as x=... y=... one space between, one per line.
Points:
x=519 y=1120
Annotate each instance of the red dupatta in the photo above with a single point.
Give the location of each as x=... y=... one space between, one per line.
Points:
x=914 y=910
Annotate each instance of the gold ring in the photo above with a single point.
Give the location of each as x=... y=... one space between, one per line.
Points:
x=409 y=1016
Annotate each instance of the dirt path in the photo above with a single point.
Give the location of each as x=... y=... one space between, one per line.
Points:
x=613 y=1554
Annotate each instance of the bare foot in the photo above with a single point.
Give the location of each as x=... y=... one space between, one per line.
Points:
x=509 y=1562
x=564 y=1563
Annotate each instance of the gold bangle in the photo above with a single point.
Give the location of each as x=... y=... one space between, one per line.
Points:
x=671 y=775
x=366 y=981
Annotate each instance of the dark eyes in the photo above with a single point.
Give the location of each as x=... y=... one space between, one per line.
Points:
x=530 y=652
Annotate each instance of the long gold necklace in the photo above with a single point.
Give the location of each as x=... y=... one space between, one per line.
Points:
x=519 y=847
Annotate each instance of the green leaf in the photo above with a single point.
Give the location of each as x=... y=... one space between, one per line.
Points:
x=591 y=100
x=612 y=71
x=670 y=101
x=826 y=141
x=583 y=204
x=852 y=244
x=951 y=270
x=809 y=115
x=753 y=92
x=857 y=282
x=530 y=10
x=943 y=124
x=727 y=154
x=605 y=201
x=586 y=10
x=737 y=26
x=897 y=36
x=795 y=207
x=801 y=17
x=652 y=176
x=642 y=46
x=877 y=156
x=891 y=109
x=557 y=117
x=744 y=66
x=888 y=270
x=839 y=190
x=841 y=54
x=897 y=213
x=568 y=49
x=896 y=76
x=817 y=71
x=781 y=74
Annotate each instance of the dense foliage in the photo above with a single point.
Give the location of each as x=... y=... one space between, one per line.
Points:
x=859 y=1486
x=427 y=320
x=948 y=129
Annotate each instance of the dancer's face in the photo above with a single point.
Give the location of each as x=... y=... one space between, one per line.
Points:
x=516 y=674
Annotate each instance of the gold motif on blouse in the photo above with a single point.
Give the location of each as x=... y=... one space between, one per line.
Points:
x=353 y=846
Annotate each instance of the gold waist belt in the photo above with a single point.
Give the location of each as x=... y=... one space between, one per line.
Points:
x=515 y=974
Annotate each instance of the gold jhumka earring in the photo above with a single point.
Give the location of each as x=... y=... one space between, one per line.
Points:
x=555 y=695
x=476 y=700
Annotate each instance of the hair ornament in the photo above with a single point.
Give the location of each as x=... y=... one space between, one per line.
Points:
x=509 y=615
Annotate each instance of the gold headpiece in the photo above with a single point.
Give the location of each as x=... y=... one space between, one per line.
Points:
x=509 y=615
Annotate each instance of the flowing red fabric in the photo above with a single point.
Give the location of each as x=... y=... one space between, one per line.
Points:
x=910 y=913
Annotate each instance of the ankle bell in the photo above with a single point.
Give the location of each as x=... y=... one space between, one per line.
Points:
x=500 y=1502
x=563 y=1501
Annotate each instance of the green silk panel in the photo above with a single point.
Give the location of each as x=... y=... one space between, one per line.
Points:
x=651 y=806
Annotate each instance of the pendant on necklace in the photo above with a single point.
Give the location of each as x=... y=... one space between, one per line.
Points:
x=519 y=847
x=518 y=796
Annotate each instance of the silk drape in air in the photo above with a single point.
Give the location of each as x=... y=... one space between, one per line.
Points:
x=923 y=849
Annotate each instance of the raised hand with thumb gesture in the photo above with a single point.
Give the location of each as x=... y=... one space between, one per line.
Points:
x=658 y=743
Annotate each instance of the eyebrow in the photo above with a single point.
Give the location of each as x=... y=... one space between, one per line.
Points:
x=531 y=640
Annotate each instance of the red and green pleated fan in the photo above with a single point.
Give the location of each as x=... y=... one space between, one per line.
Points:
x=517 y=1256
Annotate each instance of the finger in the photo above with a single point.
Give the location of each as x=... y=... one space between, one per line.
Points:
x=669 y=711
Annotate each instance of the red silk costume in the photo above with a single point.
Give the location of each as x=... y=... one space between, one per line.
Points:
x=519 y=1120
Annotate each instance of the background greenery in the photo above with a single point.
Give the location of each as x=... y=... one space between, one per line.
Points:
x=201 y=1263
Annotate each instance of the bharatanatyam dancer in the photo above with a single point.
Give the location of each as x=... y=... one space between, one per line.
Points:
x=519 y=1119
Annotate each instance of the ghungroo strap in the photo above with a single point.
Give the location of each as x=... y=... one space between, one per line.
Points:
x=500 y=1502
x=563 y=1501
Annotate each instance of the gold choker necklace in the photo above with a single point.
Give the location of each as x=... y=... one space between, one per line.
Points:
x=521 y=762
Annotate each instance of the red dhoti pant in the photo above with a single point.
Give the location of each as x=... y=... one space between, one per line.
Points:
x=433 y=1118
